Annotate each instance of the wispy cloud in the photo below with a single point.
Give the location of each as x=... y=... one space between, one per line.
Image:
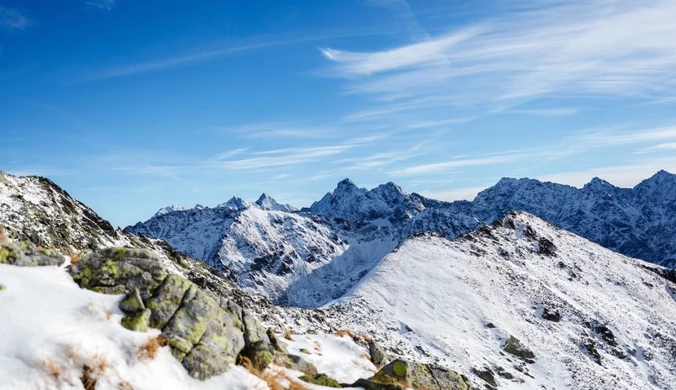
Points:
x=544 y=111
x=104 y=5
x=658 y=148
x=13 y=20
x=171 y=62
x=604 y=48
x=281 y=130
x=231 y=153
x=447 y=166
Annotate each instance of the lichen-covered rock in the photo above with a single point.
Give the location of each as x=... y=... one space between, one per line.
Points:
x=119 y=270
x=278 y=346
x=321 y=380
x=418 y=375
x=295 y=362
x=132 y=303
x=254 y=330
x=378 y=355
x=166 y=299
x=259 y=353
x=514 y=346
x=137 y=322
x=205 y=332
x=26 y=254
x=368 y=384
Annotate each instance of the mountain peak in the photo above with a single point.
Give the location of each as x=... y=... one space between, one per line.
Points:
x=599 y=184
x=267 y=202
x=236 y=203
x=169 y=209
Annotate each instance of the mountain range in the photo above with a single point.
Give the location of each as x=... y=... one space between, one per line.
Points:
x=310 y=256
x=509 y=299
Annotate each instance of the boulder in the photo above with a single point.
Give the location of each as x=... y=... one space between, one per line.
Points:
x=119 y=270
x=378 y=355
x=26 y=254
x=205 y=332
x=514 y=347
x=418 y=375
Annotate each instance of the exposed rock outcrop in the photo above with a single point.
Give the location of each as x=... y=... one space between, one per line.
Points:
x=205 y=332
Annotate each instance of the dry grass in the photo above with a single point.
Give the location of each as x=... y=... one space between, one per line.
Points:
x=287 y=334
x=3 y=236
x=50 y=367
x=274 y=379
x=149 y=349
x=88 y=379
x=74 y=258
x=124 y=385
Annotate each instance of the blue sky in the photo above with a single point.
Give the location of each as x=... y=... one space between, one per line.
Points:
x=131 y=105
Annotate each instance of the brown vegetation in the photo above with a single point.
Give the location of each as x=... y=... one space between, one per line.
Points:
x=149 y=349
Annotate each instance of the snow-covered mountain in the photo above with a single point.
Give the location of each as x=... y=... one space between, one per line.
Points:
x=293 y=258
x=306 y=258
x=639 y=222
x=523 y=304
x=169 y=209
x=387 y=203
x=34 y=208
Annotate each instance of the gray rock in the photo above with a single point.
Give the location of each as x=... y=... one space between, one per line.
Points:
x=119 y=270
x=137 y=322
x=26 y=254
x=418 y=375
x=205 y=332
x=378 y=355
x=132 y=303
x=514 y=347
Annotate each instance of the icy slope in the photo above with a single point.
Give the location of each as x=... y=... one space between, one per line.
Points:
x=594 y=319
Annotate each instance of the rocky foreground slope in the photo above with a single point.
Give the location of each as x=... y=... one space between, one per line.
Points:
x=60 y=336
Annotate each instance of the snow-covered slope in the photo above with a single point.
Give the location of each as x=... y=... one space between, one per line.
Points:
x=51 y=330
x=639 y=222
x=34 y=208
x=594 y=319
x=292 y=258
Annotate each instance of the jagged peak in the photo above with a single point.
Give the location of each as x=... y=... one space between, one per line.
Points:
x=169 y=209
x=266 y=202
x=598 y=184
x=235 y=203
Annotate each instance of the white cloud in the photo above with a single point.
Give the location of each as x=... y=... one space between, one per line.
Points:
x=659 y=148
x=448 y=166
x=13 y=20
x=578 y=48
x=544 y=111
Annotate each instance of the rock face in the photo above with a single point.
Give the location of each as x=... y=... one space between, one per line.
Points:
x=416 y=375
x=205 y=332
x=26 y=254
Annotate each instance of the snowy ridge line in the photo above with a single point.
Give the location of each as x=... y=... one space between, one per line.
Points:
x=593 y=319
